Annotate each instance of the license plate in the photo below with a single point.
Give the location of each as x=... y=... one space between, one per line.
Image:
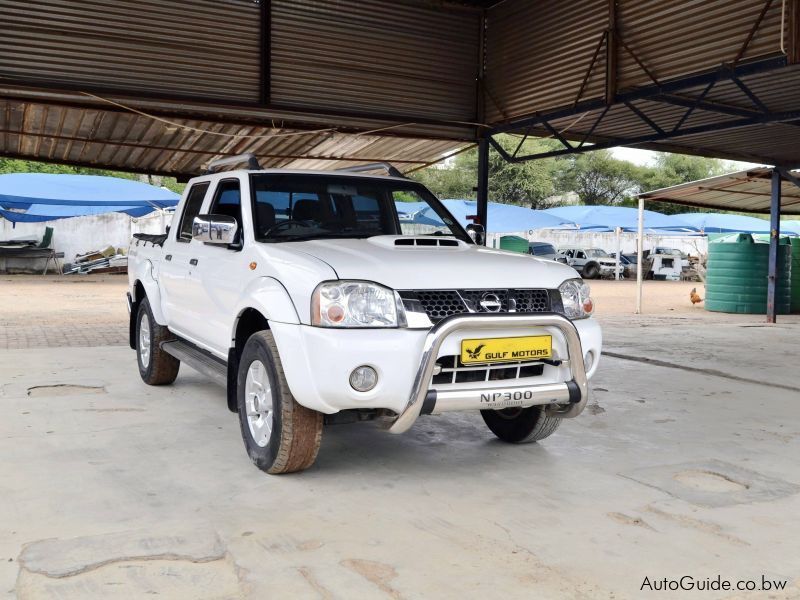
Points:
x=495 y=350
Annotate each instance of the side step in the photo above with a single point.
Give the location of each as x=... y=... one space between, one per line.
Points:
x=200 y=360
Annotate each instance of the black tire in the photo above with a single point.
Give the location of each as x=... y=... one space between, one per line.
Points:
x=520 y=425
x=296 y=431
x=591 y=271
x=156 y=367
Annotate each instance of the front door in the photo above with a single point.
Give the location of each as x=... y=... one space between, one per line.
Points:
x=223 y=271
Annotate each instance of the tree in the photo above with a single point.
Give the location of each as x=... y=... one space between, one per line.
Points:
x=598 y=178
x=15 y=165
x=525 y=184
x=673 y=169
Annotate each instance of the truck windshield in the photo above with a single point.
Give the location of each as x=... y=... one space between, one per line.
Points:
x=596 y=253
x=294 y=207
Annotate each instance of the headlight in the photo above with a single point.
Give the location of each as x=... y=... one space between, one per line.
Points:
x=576 y=298
x=356 y=304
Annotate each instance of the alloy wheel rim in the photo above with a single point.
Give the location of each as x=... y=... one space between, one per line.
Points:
x=258 y=403
x=144 y=341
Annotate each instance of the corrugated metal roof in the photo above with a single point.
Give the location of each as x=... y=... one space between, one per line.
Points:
x=538 y=53
x=743 y=191
x=198 y=48
x=679 y=37
x=396 y=58
x=125 y=140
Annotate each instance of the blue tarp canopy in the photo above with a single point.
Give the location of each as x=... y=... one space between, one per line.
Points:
x=503 y=218
x=608 y=218
x=722 y=223
x=47 y=196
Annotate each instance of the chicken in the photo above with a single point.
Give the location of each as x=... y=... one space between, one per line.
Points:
x=694 y=297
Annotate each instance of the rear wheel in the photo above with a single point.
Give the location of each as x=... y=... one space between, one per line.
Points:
x=520 y=425
x=156 y=367
x=280 y=435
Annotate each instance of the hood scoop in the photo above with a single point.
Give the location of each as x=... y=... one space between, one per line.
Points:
x=417 y=241
x=427 y=242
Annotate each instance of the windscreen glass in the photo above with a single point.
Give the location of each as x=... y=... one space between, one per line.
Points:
x=296 y=207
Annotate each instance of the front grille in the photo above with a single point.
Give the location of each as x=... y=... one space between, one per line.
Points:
x=454 y=371
x=439 y=304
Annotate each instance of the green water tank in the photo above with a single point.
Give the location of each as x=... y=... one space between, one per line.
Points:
x=795 y=305
x=514 y=243
x=737 y=274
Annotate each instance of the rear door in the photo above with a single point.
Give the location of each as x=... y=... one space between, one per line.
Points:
x=178 y=288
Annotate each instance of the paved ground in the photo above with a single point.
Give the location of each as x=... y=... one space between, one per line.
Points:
x=685 y=463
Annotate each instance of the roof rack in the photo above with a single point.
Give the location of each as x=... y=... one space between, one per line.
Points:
x=249 y=158
x=391 y=170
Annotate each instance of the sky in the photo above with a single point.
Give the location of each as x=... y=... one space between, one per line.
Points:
x=643 y=157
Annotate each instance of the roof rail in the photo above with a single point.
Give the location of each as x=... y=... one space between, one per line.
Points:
x=249 y=158
x=391 y=170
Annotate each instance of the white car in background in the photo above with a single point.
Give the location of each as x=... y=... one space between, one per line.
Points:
x=591 y=263
x=305 y=295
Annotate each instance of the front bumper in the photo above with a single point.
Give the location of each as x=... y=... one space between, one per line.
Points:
x=569 y=397
x=318 y=361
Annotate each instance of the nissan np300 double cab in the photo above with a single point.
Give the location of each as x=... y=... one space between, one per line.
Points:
x=304 y=294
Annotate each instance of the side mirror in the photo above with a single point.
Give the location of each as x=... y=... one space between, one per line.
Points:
x=476 y=233
x=215 y=229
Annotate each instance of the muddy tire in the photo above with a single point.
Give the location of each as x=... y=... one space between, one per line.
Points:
x=156 y=367
x=520 y=425
x=280 y=435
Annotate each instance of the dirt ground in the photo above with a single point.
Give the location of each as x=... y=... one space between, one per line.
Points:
x=683 y=464
x=52 y=311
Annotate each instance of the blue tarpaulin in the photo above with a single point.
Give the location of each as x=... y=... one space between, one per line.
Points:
x=608 y=218
x=503 y=218
x=722 y=223
x=37 y=197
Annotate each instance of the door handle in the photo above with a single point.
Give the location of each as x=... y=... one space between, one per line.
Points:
x=193 y=262
x=168 y=257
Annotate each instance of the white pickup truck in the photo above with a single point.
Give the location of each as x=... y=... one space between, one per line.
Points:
x=307 y=298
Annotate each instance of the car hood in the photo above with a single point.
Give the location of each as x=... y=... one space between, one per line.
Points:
x=411 y=267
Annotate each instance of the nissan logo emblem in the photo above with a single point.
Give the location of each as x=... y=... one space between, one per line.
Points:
x=491 y=303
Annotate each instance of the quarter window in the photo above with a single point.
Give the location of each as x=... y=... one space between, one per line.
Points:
x=193 y=205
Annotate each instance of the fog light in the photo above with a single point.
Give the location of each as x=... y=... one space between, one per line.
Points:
x=588 y=361
x=363 y=378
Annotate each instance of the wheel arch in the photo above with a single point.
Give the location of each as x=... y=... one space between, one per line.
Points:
x=249 y=321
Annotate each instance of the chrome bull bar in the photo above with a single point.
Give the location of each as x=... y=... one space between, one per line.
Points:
x=564 y=400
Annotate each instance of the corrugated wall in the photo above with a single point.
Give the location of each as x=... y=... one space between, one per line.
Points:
x=538 y=53
x=384 y=56
x=679 y=37
x=197 y=48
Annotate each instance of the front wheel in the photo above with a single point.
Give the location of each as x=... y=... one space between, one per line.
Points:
x=591 y=271
x=520 y=425
x=280 y=435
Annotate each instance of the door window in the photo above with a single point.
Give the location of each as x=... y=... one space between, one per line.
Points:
x=193 y=205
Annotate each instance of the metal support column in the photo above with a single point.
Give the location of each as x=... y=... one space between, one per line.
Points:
x=774 y=240
x=483 y=184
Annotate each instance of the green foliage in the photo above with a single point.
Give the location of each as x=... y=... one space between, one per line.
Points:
x=15 y=165
x=524 y=184
x=673 y=169
x=598 y=178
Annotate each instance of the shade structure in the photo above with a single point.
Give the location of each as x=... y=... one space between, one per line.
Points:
x=37 y=197
x=723 y=223
x=609 y=218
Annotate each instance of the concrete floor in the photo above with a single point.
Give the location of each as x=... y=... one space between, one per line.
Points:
x=110 y=488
